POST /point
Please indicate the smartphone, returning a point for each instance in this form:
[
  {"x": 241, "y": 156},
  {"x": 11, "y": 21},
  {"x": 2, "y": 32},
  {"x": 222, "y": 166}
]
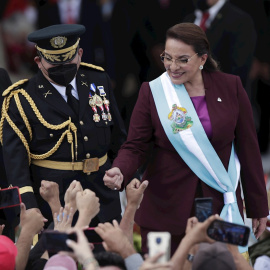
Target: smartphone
[
  {"x": 203, "y": 208},
  {"x": 159, "y": 242},
  {"x": 54, "y": 241},
  {"x": 92, "y": 236},
  {"x": 230, "y": 233},
  {"x": 10, "y": 197}
]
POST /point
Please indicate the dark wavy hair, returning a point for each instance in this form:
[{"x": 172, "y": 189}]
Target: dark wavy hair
[
  {"x": 193, "y": 35},
  {"x": 105, "y": 258}
]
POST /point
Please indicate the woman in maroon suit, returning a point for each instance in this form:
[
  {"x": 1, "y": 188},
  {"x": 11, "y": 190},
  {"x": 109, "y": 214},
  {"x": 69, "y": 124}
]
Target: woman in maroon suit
[{"x": 224, "y": 111}]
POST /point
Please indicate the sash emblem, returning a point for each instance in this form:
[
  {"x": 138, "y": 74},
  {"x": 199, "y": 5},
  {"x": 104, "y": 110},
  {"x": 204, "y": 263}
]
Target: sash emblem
[{"x": 180, "y": 120}]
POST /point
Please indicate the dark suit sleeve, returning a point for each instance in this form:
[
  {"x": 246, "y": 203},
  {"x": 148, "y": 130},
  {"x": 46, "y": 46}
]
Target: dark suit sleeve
[
  {"x": 252, "y": 177},
  {"x": 134, "y": 151},
  {"x": 16, "y": 157}
]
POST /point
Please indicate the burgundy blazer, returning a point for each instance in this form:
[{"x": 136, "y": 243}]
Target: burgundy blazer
[{"x": 168, "y": 200}]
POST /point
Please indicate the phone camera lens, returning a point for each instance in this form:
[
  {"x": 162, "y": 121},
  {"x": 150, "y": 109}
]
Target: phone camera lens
[{"x": 158, "y": 240}]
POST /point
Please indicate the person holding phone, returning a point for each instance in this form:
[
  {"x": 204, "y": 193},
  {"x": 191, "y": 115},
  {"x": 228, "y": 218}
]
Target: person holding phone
[
  {"x": 198, "y": 249},
  {"x": 62, "y": 124},
  {"x": 200, "y": 123}
]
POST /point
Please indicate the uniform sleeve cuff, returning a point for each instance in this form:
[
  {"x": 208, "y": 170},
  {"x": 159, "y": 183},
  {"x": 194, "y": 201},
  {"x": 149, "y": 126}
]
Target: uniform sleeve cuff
[{"x": 29, "y": 200}]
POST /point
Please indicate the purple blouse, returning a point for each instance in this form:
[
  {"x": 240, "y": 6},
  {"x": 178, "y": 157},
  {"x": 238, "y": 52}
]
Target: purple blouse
[{"x": 200, "y": 105}]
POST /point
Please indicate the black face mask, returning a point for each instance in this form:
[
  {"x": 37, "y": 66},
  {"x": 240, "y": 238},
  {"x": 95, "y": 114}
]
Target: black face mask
[
  {"x": 201, "y": 4},
  {"x": 63, "y": 74}
]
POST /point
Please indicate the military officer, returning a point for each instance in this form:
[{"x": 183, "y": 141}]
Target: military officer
[{"x": 62, "y": 124}]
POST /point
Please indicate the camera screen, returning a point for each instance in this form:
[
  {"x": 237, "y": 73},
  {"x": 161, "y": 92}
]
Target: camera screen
[
  {"x": 228, "y": 233},
  {"x": 9, "y": 197},
  {"x": 203, "y": 210},
  {"x": 55, "y": 241}
]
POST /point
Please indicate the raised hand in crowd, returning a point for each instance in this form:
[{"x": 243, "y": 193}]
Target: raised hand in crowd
[
  {"x": 191, "y": 222},
  {"x": 134, "y": 192},
  {"x": 151, "y": 263},
  {"x": 2, "y": 228},
  {"x": 70, "y": 195},
  {"x": 239, "y": 260},
  {"x": 113, "y": 178},
  {"x": 63, "y": 220},
  {"x": 49, "y": 191},
  {"x": 114, "y": 239},
  {"x": 31, "y": 222},
  {"x": 88, "y": 206},
  {"x": 82, "y": 251},
  {"x": 196, "y": 232}
]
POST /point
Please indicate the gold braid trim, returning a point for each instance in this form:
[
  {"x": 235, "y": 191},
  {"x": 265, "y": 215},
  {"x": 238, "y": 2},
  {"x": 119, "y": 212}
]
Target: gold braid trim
[
  {"x": 6, "y": 92},
  {"x": 26, "y": 189},
  {"x": 2, "y": 119},
  {"x": 13, "y": 126},
  {"x": 57, "y": 52},
  {"x": 40, "y": 117},
  {"x": 23, "y": 115},
  {"x": 92, "y": 66},
  {"x": 50, "y": 152},
  {"x": 71, "y": 126}
]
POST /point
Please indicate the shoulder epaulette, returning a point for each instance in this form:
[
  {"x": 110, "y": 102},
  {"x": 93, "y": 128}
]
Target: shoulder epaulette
[
  {"x": 91, "y": 66},
  {"x": 14, "y": 86}
]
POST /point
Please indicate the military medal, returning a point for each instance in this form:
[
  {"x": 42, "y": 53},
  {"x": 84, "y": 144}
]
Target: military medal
[
  {"x": 106, "y": 104},
  {"x": 99, "y": 103},
  {"x": 180, "y": 120},
  {"x": 92, "y": 103},
  {"x": 105, "y": 101}
]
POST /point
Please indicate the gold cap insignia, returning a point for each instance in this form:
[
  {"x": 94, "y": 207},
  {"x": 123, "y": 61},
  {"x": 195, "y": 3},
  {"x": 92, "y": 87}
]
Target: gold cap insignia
[{"x": 58, "y": 42}]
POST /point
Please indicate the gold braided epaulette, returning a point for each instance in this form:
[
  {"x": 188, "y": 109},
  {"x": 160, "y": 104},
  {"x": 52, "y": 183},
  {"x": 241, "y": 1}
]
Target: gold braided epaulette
[
  {"x": 14, "y": 86},
  {"x": 91, "y": 66}
]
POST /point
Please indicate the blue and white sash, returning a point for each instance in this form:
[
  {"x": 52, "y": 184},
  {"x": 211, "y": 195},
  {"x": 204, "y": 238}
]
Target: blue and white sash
[{"x": 194, "y": 147}]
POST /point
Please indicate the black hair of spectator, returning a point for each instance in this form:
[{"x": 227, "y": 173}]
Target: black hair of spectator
[{"x": 110, "y": 259}]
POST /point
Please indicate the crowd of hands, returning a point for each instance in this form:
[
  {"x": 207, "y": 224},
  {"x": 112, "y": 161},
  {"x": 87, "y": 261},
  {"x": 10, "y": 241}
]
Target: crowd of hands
[{"x": 117, "y": 238}]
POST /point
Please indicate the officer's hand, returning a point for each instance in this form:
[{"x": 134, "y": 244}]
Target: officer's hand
[
  {"x": 31, "y": 220},
  {"x": 113, "y": 178},
  {"x": 49, "y": 191},
  {"x": 87, "y": 203},
  {"x": 70, "y": 195}
]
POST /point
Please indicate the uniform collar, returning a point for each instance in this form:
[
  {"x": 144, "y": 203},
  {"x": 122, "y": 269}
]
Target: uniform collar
[{"x": 62, "y": 89}]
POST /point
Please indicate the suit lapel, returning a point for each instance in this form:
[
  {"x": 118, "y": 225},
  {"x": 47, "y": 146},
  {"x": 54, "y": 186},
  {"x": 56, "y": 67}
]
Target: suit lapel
[
  {"x": 219, "y": 17},
  {"x": 210, "y": 101},
  {"x": 51, "y": 96},
  {"x": 218, "y": 110}
]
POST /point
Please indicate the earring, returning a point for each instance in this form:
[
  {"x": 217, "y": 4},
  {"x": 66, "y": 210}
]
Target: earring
[{"x": 200, "y": 67}]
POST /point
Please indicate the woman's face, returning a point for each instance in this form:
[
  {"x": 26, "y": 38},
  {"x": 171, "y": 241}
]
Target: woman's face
[{"x": 186, "y": 67}]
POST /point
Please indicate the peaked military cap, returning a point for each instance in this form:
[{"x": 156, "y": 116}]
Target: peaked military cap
[{"x": 57, "y": 44}]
